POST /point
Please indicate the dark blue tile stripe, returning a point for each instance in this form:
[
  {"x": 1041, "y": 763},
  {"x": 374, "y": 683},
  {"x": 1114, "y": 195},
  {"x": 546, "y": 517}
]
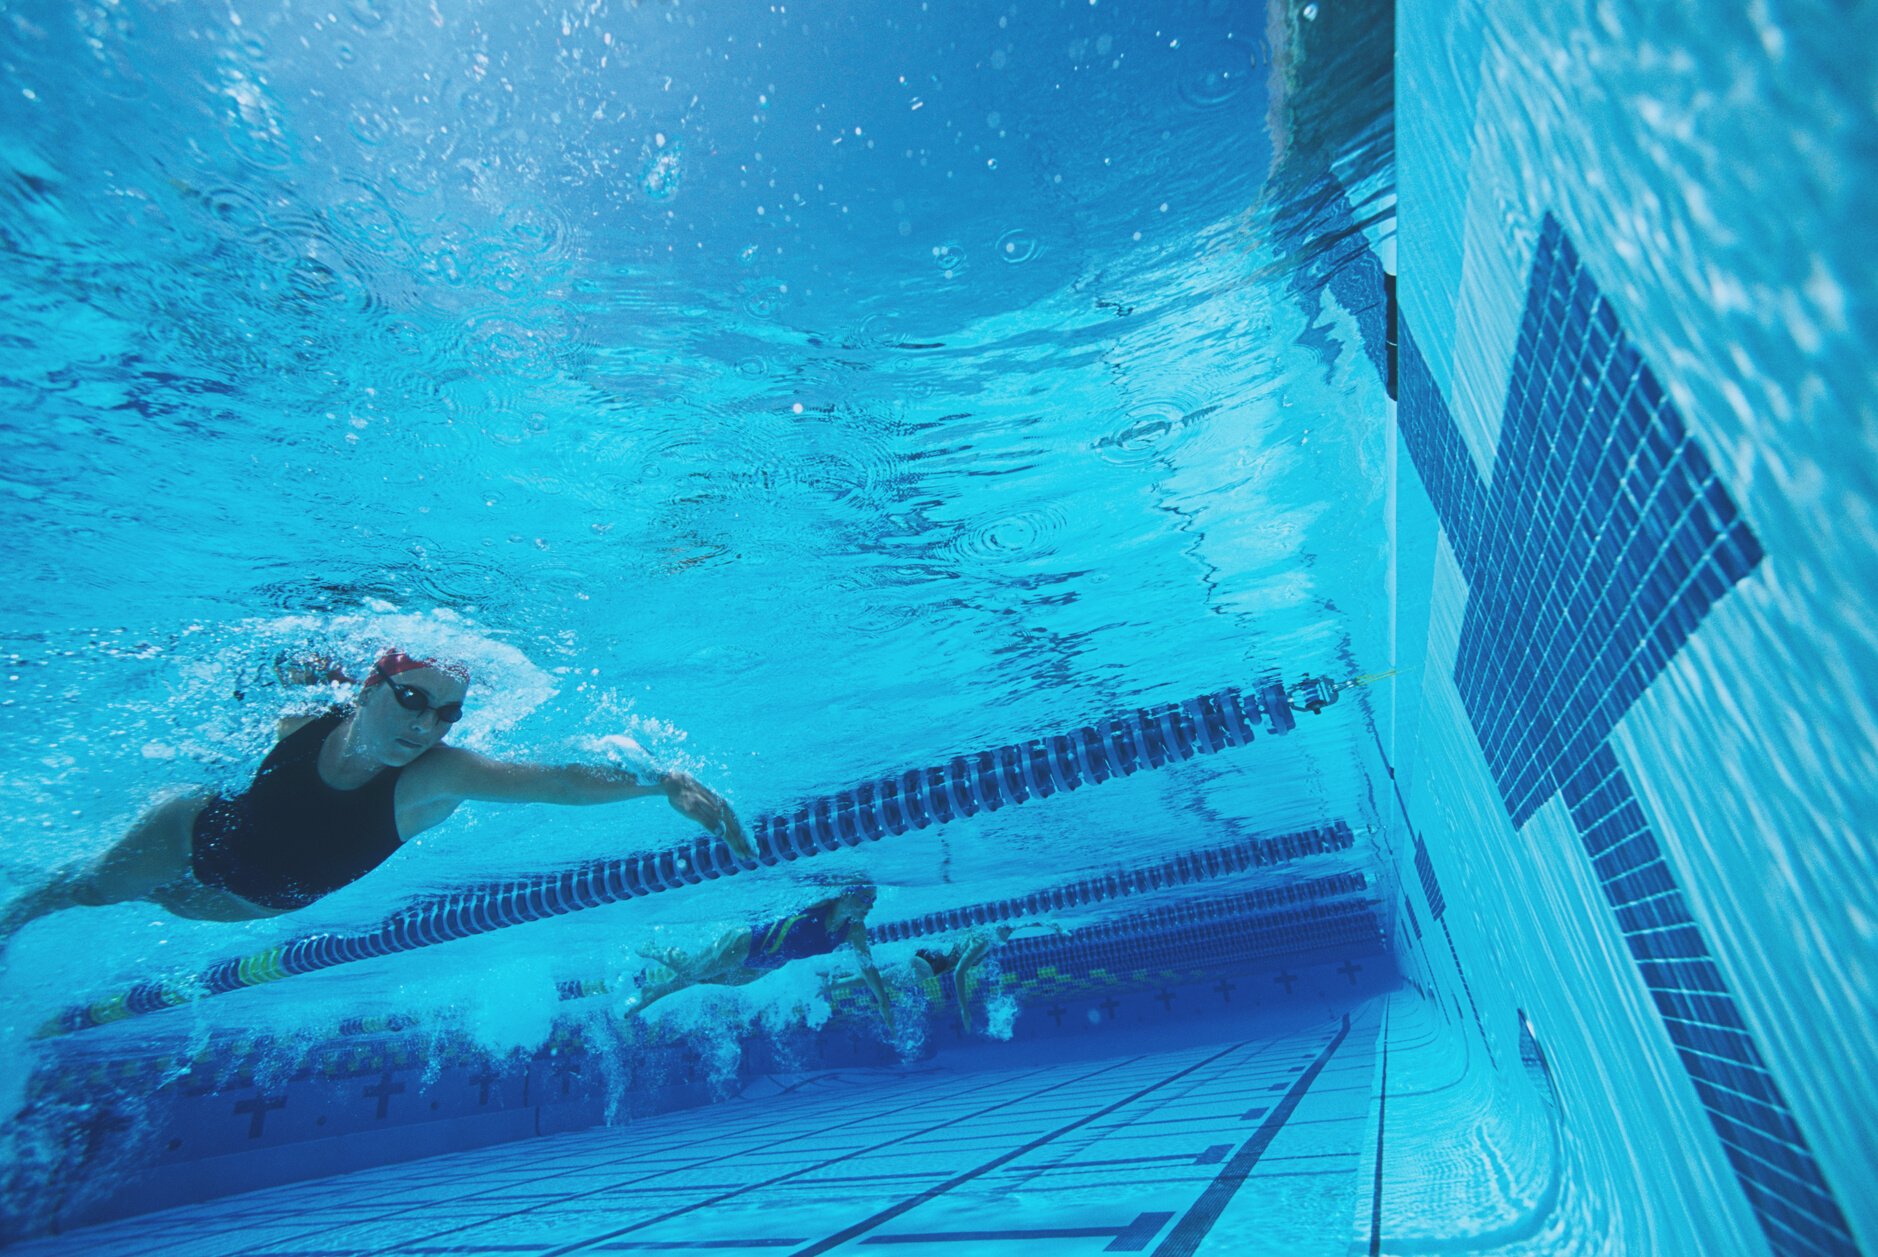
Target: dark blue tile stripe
[
  {"x": 1188, "y": 1233},
  {"x": 1599, "y": 545},
  {"x": 1440, "y": 456},
  {"x": 1759, "y": 1136},
  {"x": 1602, "y": 541},
  {"x": 1425, "y": 869}
]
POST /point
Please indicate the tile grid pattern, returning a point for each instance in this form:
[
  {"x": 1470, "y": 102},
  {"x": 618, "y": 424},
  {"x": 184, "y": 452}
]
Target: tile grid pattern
[
  {"x": 1425, "y": 869},
  {"x": 1131, "y": 1150},
  {"x": 1601, "y": 542},
  {"x": 1743, "y": 1102}
]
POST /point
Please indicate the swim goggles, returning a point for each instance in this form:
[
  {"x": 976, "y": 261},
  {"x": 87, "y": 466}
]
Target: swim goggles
[{"x": 413, "y": 699}]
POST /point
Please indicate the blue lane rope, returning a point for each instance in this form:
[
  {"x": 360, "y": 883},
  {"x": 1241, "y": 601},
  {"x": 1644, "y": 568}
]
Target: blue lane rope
[
  {"x": 1180, "y": 870},
  {"x": 1184, "y": 869},
  {"x": 1117, "y": 746}
]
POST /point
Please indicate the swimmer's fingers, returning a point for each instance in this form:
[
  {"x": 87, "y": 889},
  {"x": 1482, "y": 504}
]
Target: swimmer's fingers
[
  {"x": 709, "y": 810},
  {"x": 734, "y": 835}
]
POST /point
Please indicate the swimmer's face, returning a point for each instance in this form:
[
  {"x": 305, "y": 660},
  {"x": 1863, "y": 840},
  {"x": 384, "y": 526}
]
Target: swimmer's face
[
  {"x": 397, "y": 732},
  {"x": 857, "y": 903}
]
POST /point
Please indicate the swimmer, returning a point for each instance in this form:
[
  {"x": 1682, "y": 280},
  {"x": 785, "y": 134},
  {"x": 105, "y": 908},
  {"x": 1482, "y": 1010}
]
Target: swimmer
[
  {"x": 338, "y": 794},
  {"x": 963, "y": 958},
  {"x": 744, "y": 955}
]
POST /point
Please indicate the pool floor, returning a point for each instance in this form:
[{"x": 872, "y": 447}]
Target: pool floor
[{"x": 1245, "y": 1145}]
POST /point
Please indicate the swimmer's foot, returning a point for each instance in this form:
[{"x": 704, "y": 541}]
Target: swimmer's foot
[{"x": 672, "y": 960}]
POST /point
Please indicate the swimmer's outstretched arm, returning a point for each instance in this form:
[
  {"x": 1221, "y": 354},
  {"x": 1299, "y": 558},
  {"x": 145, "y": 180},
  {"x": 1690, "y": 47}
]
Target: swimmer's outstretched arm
[
  {"x": 857, "y": 939},
  {"x": 447, "y": 775}
]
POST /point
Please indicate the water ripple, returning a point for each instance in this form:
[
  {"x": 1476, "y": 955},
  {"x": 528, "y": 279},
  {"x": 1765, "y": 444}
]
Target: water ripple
[
  {"x": 1214, "y": 74},
  {"x": 762, "y": 298},
  {"x": 1021, "y": 535},
  {"x": 500, "y": 341},
  {"x": 950, "y": 259},
  {"x": 368, "y": 15},
  {"x": 1151, "y": 430},
  {"x": 1018, "y": 245}
]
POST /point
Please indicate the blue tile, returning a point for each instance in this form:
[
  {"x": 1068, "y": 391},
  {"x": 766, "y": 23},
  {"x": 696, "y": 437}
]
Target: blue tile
[{"x": 1591, "y": 555}]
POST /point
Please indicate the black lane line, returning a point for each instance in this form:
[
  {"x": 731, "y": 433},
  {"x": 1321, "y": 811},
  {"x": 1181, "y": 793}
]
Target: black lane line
[
  {"x": 872, "y": 1114},
  {"x": 1197, "y": 1090},
  {"x": 1382, "y": 1112},
  {"x": 1184, "y": 1239},
  {"x": 1130, "y": 1237},
  {"x": 654, "y": 1246},
  {"x": 668, "y": 1215},
  {"x": 1188, "y": 1157},
  {"x": 913, "y": 1202}
]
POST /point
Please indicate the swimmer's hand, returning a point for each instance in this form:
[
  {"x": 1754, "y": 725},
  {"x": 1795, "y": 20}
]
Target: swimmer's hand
[
  {"x": 686, "y": 794},
  {"x": 690, "y": 798}
]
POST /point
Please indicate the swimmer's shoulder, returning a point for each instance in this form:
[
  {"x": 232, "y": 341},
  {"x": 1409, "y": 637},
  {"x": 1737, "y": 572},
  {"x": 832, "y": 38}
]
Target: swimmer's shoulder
[
  {"x": 442, "y": 772},
  {"x": 287, "y": 726}
]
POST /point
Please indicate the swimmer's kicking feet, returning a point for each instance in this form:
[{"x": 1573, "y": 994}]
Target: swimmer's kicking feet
[
  {"x": 744, "y": 955},
  {"x": 338, "y": 794}
]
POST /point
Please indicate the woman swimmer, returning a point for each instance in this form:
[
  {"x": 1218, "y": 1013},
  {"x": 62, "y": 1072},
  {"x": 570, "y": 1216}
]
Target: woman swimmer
[
  {"x": 963, "y": 958},
  {"x": 338, "y": 794},
  {"x": 744, "y": 955}
]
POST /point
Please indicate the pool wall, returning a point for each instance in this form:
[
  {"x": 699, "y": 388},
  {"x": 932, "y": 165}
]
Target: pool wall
[{"x": 1631, "y": 750}]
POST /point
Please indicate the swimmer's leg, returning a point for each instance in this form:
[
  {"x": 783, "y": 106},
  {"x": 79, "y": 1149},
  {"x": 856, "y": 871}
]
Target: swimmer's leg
[
  {"x": 153, "y": 855},
  {"x": 724, "y": 961},
  {"x": 652, "y": 992},
  {"x": 721, "y": 964}
]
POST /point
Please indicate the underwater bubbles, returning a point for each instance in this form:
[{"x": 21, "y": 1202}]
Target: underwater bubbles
[
  {"x": 949, "y": 258},
  {"x": 499, "y": 342},
  {"x": 1018, "y": 245},
  {"x": 661, "y": 169}
]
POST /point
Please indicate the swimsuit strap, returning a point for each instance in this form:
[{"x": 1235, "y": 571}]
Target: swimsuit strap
[{"x": 771, "y": 938}]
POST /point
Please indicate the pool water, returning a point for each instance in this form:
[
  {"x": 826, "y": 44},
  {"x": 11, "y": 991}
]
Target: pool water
[{"x": 1419, "y": 736}]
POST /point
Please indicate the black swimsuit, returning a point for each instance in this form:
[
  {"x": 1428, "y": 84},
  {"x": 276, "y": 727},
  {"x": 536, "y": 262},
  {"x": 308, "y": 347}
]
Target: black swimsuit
[
  {"x": 798, "y": 937},
  {"x": 290, "y": 838}
]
